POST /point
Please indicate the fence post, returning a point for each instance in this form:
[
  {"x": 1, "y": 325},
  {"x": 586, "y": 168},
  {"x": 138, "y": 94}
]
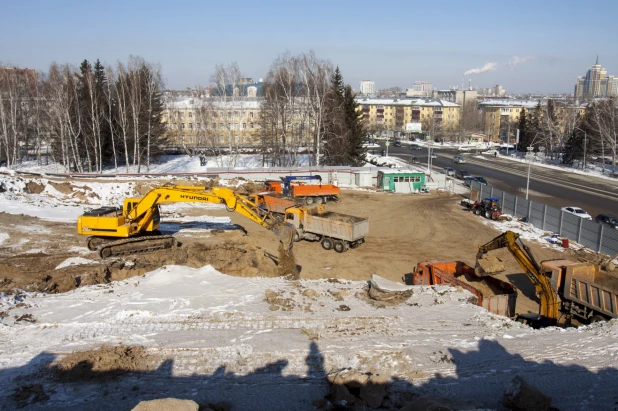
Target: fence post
[
  {"x": 600, "y": 238},
  {"x": 544, "y": 214},
  {"x": 491, "y": 191},
  {"x": 515, "y": 208},
  {"x": 579, "y": 230},
  {"x": 529, "y": 211},
  {"x": 503, "y": 207},
  {"x": 560, "y": 222}
]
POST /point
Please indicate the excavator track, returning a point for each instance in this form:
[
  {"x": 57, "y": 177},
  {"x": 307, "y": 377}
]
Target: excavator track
[{"x": 136, "y": 245}]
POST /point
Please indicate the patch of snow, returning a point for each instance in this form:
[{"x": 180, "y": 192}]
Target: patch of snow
[
  {"x": 3, "y": 237},
  {"x": 75, "y": 261}
]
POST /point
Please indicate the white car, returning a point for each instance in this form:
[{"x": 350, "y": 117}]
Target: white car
[{"x": 577, "y": 211}]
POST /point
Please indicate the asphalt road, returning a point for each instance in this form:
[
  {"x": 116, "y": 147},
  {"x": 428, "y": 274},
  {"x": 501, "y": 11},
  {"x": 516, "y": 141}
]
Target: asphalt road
[{"x": 554, "y": 187}]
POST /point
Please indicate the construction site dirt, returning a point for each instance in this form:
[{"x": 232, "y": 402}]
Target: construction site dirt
[{"x": 404, "y": 231}]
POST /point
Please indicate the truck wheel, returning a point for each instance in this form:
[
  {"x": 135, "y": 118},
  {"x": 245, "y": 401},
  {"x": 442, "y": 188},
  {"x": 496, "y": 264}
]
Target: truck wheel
[
  {"x": 488, "y": 214},
  {"x": 296, "y": 237},
  {"x": 339, "y": 247},
  {"x": 354, "y": 245},
  {"x": 327, "y": 243},
  {"x": 309, "y": 200},
  {"x": 319, "y": 200},
  {"x": 596, "y": 318}
]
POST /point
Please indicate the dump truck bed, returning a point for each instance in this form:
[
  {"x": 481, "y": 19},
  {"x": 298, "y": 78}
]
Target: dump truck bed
[
  {"x": 341, "y": 226},
  {"x": 272, "y": 202},
  {"x": 304, "y": 190},
  {"x": 584, "y": 284},
  {"x": 494, "y": 295}
]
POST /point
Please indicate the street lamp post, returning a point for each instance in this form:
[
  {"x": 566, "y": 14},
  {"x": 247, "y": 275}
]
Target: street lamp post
[
  {"x": 429, "y": 144},
  {"x": 529, "y": 154}
]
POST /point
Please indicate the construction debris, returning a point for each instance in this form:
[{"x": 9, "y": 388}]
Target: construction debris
[
  {"x": 388, "y": 292},
  {"x": 167, "y": 404},
  {"x": 489, "y": 264},
  {"x": 521, "y": 396}
]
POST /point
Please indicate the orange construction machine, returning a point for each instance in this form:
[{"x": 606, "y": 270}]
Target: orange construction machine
[{"x": 301, "y": 188}]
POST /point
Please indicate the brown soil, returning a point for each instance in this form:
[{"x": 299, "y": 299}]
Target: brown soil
[
  {"x": 486, "y": 288},
  {"x": 404, "y": 230},
  {"x": 103, "y": 363}
]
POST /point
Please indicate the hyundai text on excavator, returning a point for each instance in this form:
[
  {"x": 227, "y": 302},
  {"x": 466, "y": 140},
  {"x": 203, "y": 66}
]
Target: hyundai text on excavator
[
  {"x": 134, "y": 228},
  {"x": 570, "y": 287}
]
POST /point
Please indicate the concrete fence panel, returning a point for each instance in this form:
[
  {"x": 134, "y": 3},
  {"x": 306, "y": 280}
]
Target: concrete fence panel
[
  {"x": 508, "y": 203},
  {"x": 537, "y": 214},
  {"x": 589, "y": 234},
  {"x": 522, "y": 208},
  {"x": 570, "y": 226},
  {"x": 609, "y": 241},
  {"x": 552, "y": 219}
]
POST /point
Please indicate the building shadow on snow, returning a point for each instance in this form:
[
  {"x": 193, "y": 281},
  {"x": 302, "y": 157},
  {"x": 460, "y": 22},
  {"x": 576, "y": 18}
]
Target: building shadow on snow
[{"x": 480, "y": 375}]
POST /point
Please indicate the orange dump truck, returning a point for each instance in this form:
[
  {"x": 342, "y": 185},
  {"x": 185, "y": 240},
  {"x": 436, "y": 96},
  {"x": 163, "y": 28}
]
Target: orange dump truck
[
  {"x": 270, "y": 202},
  {"x": 310, "y": 193},
  {"x": 494, "y": 295}
]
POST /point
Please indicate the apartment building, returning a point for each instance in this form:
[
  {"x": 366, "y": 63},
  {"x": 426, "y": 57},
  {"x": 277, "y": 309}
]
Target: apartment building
[
  {"x": 203, "y": 123},
  {"x": 503, "y": 113},
  {"x": 460, "y": 97},
  {"x": 596, "y": 83},
  {"x": 394, "y": 114},
  {"x": 367, "y": 87}
]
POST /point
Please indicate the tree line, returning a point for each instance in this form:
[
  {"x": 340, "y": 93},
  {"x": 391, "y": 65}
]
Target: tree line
[
  {"x": 571, "y": 132},
  {"x": 304, "y": 108},
  {"x": 84, "y": 118}
]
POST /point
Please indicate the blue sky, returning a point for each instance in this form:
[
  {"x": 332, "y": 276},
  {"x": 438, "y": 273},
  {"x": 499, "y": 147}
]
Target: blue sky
[{"x": 392, "y": 42}]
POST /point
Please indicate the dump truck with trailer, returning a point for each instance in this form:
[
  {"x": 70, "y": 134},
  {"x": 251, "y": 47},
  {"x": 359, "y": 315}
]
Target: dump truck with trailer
[
  {"x": 563, "y": 286},
  {"x": 584, "y": 291},
  {"x": 494, "y": 295},
  {"x": 334, "y": 230}
]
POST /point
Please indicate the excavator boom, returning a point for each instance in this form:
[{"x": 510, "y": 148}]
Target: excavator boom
[
  {"x": 116, "y": 232},
  {"x": 550, "y": 302}
]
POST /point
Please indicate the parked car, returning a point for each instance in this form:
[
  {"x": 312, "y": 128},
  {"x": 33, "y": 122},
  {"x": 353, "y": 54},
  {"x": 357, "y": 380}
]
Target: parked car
[
  {"x": 461, "y": 174},
  {"x": 415, "y": 147},
  {"x": 459, "y": 160},
  {"x": 397, "y": 143},
  {"x": 414, "y": 160},
  {"x": 607, "y": 219},
  {"x": 577, "y": 211},
  {"x": 481, "y": 180},
  {"x": 449, "y": 171},
  {"x": 433, "y": 156}
]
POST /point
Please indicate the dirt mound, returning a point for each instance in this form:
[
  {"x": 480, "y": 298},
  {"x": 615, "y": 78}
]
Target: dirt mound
[
  {"x": 287, "y": 263},
  {"x": 64, "y": 188},
  {"x": 34, "y": 188},
  {"x": 103, "y": 363}
]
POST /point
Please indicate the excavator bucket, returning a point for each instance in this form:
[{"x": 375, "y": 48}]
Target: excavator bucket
[
  {"x": 488, "y": 265},
  {"x": 285, "y": 234}
]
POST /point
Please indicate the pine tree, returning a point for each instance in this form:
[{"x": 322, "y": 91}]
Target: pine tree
[
  {"x": 334, "y": 123},
  {"x": 355, "y": 129},
  {"x": 523, "y": 130}
]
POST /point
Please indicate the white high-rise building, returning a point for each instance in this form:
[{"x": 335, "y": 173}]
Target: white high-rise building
[{"x": 367, "y": 87}]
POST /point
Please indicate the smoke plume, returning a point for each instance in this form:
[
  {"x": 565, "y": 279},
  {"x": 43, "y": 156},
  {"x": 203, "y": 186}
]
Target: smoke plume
[
  {"x": 515, "y": 60},
  {"x": 486, "y": 67}
]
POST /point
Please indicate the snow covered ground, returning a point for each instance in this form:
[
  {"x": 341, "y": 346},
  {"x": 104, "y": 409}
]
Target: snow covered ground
[
  {"x": 209, "y": 330},
  {"x": 268, "y": 343}
]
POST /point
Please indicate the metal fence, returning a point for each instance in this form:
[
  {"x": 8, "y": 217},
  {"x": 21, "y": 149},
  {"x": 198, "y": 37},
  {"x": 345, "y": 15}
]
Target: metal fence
[{"x": 596, "y": 236}]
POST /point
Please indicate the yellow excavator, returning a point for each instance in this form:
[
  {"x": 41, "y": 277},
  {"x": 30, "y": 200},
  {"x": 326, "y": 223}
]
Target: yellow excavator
[
  {"x": 550, "y": 301},
  {"x": 135, "y": 227}
]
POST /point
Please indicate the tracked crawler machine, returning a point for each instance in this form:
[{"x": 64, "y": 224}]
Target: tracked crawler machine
[{"x": 135, "y": 227}]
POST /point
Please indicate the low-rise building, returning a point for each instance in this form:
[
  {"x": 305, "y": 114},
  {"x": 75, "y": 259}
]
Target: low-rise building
[
  {"x": 395, "y": 114},
  {"x": 211, "y": 122}
]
